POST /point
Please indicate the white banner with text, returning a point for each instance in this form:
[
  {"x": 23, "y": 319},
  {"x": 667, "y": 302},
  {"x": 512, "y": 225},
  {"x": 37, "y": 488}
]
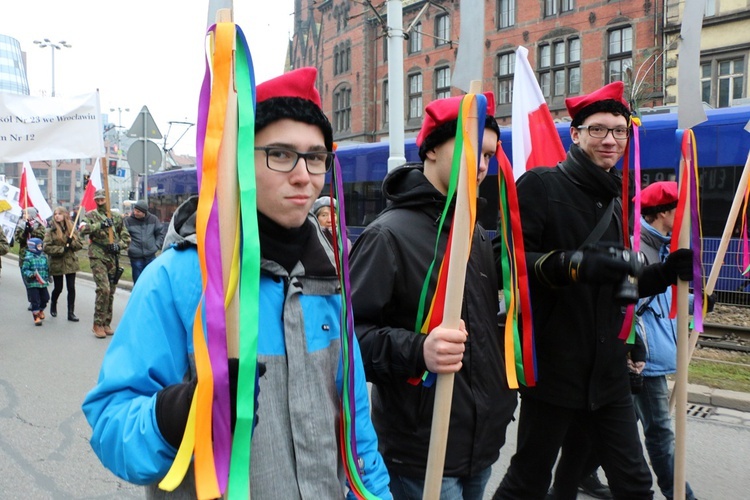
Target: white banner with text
[{"x": 50, "y": 128}]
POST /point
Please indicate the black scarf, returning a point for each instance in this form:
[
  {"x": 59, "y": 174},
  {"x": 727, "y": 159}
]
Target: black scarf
[
  {"x": 591, "y": 177},
  {"x": 282, "y": 245}
]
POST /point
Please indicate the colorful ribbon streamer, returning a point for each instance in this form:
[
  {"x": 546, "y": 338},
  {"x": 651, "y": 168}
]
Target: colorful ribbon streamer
[
  {"x": 689, "y": 154},
  {"x": 520, "y": 355},
  {"x": 425, "y": 323}
]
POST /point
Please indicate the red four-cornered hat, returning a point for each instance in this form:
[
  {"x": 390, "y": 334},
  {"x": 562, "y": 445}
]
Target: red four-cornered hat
[
  {"x": 297, "y": 83},
  {"x": 440, "y": 111},
  {"x": 612, "y": 91}
]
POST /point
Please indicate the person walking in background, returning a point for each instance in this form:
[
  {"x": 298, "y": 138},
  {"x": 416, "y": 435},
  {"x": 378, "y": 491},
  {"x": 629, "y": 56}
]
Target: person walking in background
[
  {"x": 104, "y": 257},
  {"x": 146, "y": 237},
  {"x": 659, "y": 334},
  {"x": 139, "y": 408},
  {"x": 61, "y": 244},
  {"x": 322, "y": 211},
  {"x": 573, "y": 237},
  {"x": 389, "y": 268},
  {"x": 35, "y": 273},
  {"x": 29, "y": 226},
  {"x": 4, "y": 246}
]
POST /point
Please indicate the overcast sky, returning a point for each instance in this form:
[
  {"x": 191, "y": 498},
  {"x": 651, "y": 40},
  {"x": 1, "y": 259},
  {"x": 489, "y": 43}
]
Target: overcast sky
[{"x": 139, "y": 52}]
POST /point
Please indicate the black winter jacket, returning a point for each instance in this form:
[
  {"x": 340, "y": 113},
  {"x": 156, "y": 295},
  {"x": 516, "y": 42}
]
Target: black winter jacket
[
  {"x": 581, "y": 361},
  {"x": 388, "y": 264},
  {"x": 147, "y": 236}
]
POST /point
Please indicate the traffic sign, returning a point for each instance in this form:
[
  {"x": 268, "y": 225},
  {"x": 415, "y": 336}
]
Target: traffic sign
[
  {"x": 144, "y": 126},
  {"x": 136, "y": 159}
]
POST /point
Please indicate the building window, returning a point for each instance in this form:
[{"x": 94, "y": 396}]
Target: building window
[
  {"x": 385, "y": 49},
  {"x": 415, "y": 96},
  {"x": 560, "y": 68},
  {"x": 506, "y": 13},
  {"x": 506, "y": 67},
  {"x": 342, "y": 54},
  {"x": 620, "y": 57},
  {"x": 442, "y": 83},
  {"x": 342, "y": 109},
  {"x": 722, "y": 81},
  {"x": 442, "y": 29},
  {"x": 553, "y": 7},
  {"x": 386, "y": 103},
  {"x": 710, "y": 8},
  {"x": 415, "y": 39},
  {"x": 64, "y": 178}
]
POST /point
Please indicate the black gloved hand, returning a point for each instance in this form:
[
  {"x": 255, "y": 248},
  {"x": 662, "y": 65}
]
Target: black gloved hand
[
  {"x": 679, "y": 264},
  {"x": 234, "y": 371},
  {"x": 113, "y": 248},
  {"x": 108, "y": 222},
  {"x": 710, "y": 302},
  {"x": 172, "y": 409},
  {"x": 68, "y": 241},
  {"x": 596, "y": 264}
]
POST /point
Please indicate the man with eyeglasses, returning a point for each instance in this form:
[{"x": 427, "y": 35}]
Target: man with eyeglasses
[
  {"x": 139, "y": 408},
  {"x": 390, "y": 272},
  {"x": 581, "y": 278}
]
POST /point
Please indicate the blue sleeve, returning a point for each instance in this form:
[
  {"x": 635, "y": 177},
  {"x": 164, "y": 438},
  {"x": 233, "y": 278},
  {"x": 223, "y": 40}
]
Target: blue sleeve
[
  {"x": 150, "y": 350},
  {"x": 375, "y": 475}
]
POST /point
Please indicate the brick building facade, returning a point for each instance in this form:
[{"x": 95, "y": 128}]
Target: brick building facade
[{"x": 575, "y": 47}]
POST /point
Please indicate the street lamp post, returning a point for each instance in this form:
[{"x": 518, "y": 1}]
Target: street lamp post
[
  {"x": 53, "y": 47},
  {"x": 119, "y": 150}
]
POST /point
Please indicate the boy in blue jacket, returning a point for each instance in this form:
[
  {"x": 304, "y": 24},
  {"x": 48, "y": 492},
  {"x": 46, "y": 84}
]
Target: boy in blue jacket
[
  {"x": 659, "y": 334},
  {"x": 139, "y": 407}
]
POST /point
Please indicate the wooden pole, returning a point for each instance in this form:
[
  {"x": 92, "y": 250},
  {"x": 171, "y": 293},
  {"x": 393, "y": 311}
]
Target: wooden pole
[
  {"x": 228, "y": 198},
  {"x": 105, "y": 182},
  {"x": 452, "y": 315},
  {"x": 682, "y": 343}
]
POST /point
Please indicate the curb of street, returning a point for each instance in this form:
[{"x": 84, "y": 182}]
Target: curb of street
[{"x": 697, "y": 394}]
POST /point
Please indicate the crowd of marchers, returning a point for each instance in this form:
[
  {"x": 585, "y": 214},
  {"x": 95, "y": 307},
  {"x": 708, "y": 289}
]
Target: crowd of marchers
[{"x": 591, "y": 388}]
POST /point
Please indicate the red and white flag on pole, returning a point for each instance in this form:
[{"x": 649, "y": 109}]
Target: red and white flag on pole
[
  {"x": 536, "y": 142},
  {"x": 31, "y": 195},
  {"x": 95, "y": 182}
]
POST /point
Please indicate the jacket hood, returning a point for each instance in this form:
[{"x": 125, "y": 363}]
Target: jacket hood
[
  {"x": 182, "y": 226},
  {"x": 407, "y": 186}
]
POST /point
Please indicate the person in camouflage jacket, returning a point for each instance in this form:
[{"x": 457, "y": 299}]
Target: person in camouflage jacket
[
  {"x": 104, "y": 258},
  {"x": 4, "y": 247},
  {"x": 28, "y": 227},
  {"x": 61, "y": 244}
]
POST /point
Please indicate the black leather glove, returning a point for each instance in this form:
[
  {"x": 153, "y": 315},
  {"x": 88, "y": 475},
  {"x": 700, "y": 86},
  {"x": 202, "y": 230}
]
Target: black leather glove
[
  {"x": 710, "y": 302},
  {"x": 68, "y": 241},
  {"x": 108, "y": 222},
  {"x": 679, "y": 264},
  {"x": 113, "y": 248},
  {"x": 234, "y": 368},
  {"x": 596, "y": 264}
]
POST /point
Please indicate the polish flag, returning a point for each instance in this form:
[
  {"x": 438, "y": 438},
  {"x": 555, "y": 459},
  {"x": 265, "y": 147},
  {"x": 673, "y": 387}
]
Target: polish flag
[
  {"x": 536, "y": 142},
  {"x": 31, "y": 195},
  {"x": 95, "y": 182}
]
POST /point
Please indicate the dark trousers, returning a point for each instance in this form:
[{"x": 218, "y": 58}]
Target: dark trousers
[
  {"x": 542, "y": 428},
  {"x": 38, "y": 297},
  {"x": 139, "y": 264},
  {"x": 70, "y": 284},
  {"x": 577, "y": 461}
]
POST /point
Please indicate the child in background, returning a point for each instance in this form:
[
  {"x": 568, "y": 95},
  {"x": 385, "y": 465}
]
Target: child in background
[{"x": 35, "y": 271}]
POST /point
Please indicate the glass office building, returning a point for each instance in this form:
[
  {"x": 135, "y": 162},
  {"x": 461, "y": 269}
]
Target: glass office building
[{"x": 12, "y": 68}]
